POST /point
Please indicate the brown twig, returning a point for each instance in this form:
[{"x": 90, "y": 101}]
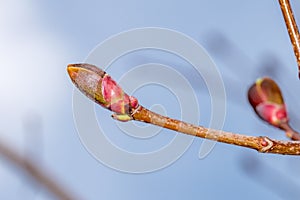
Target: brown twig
[
  {"x": 292, "y": 29},
  {"x": 38, "y": 175},
  {"x": 262, "y": 144},
  {"x": 97, "y": 85}
]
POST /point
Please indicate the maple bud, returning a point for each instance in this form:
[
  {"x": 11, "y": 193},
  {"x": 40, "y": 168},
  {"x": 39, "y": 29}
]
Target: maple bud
[
  {"x": 267, "y": 101},
  {"x": 102, "y": 89}
]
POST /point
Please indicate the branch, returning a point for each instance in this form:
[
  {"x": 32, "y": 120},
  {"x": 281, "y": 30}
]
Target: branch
[
  {"x": 292, "y": 28},
  {"x": 102, "y": 89},
  {"x": 35, "y": 173},
  {"x": 262, "y": 144}
]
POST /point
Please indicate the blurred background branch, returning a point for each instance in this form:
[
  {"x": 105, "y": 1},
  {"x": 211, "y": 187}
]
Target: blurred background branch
[
  {"x": 269, "y": 177},
  {"x": 42, "y": 177}
]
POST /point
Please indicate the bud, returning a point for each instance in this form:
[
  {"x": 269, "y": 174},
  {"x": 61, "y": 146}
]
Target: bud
[
  {"x": 102, "y": 89},
  {"x": 267, "y": 101}
]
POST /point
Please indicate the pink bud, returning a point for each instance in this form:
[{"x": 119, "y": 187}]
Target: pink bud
[
  {"x": 267, "y": 101},
  {"x": 101, "y": 88}
]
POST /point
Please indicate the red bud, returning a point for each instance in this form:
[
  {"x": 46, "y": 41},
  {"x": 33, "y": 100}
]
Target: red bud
[{"x": 267, "y": 101}]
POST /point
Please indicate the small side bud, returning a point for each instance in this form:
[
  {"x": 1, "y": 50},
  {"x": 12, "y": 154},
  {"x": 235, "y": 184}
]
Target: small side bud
[{"x": 267, "y": 101}]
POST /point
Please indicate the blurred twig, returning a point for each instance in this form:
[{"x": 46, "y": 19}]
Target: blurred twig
[
  {"x": 33, "y": 135},
  {"x": 33, "y": 138},
  {"x": 37, "y": 174},
  {"x": 269, "y": 177}
]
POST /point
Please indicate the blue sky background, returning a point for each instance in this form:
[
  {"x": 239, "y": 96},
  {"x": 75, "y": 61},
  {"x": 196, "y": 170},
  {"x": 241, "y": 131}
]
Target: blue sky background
[{"x": 245, "y": 39}]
